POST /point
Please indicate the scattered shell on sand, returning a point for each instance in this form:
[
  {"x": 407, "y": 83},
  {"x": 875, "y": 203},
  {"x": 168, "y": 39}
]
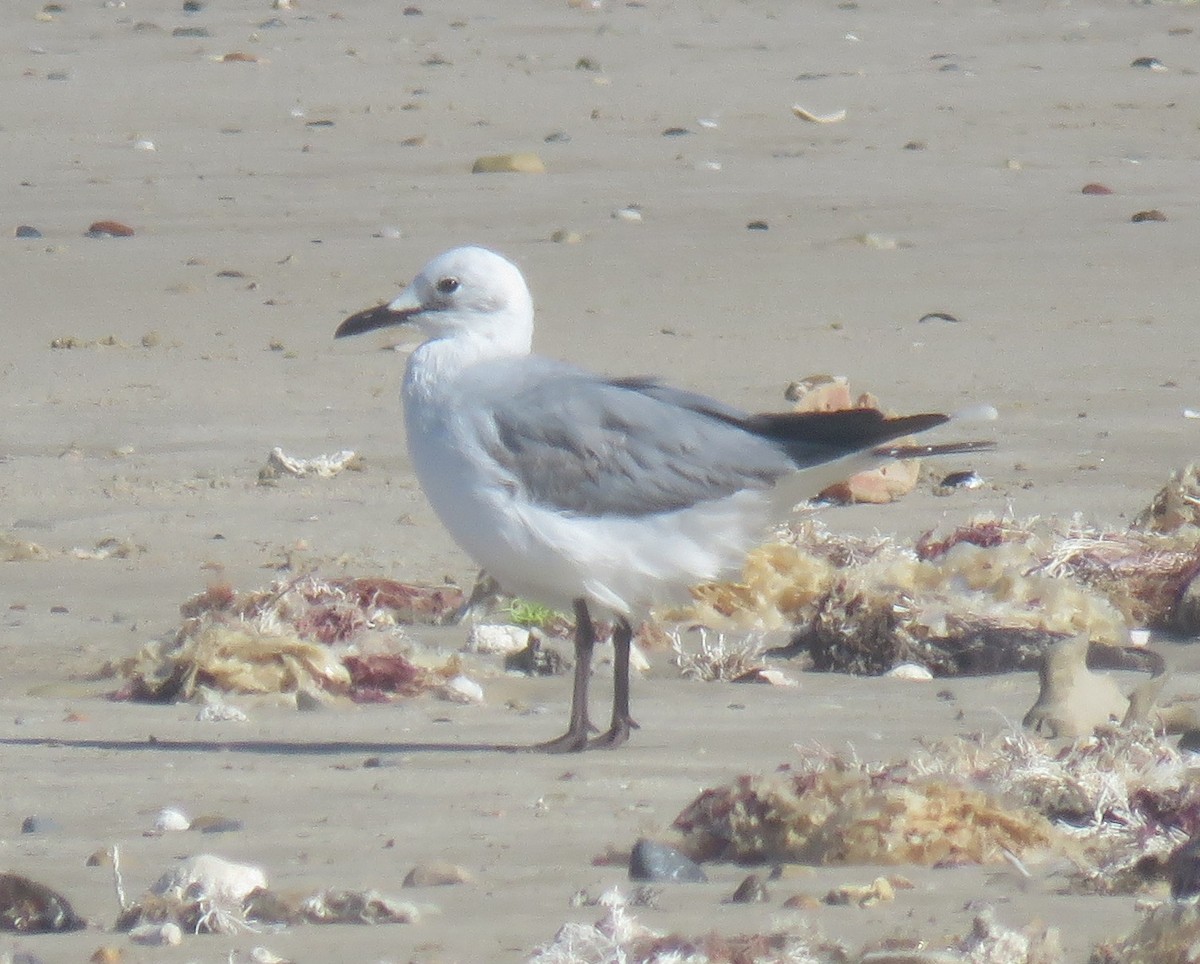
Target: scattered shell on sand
[
  {"x": 1097, "y": 189},
  {"x": 1148, "y": 63},
  {"x": 913, "y": 672},
  {"x": 279, "y": 463},
  {"x": 630, "y": 213},
  {"x": 461, "y": 689},
  {"x": 170, "y": 819},
  {"x": 813, "y": 117},
  {"x": 524, "y": 162},
  {"x": 1154, "y": 214},
  {"x": 437, "y": 873}
]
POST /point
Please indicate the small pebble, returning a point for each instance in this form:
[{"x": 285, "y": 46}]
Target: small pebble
[
  {"x": 752, "y": 890},
  {"x": 217, "y": 824},
  {"x": 915, "y": 146},
  {"x": 1149, "y": 63},
  {"x": 108, "y": 229},
  {"x": 587, "y": 63},
  {"x": 1096, "y": 189},
  {"x": 675, "y": 132},
  {"x": 659, "y": 863},
  {"x": 192, "y": 6},
  {"x": 1154, "y": 214},
  {"x": 758, "y": 226},
  {"x": 36, "y": 824},
  {"x": 566, "y": 237},
  {"x": 557, "y": 137},
  {"x": 26, "y": 231},
  {"x": 193, "y": 32},
  {"x": 521, "y": 163}
]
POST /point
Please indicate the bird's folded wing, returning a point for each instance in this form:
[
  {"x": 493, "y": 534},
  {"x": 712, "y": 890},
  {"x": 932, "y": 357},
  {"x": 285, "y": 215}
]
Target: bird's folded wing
[{"x": 581, "y": 444}]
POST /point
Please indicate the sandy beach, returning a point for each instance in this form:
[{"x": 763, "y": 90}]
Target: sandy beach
[{"x": 273, "y": 193}]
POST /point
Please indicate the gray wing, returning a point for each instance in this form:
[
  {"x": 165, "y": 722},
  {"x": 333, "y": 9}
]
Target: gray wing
[{"x": 631, "y": 447}]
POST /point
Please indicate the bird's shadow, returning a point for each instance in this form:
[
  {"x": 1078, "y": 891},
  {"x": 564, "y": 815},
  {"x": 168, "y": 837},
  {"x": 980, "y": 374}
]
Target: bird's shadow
[{"x": 267, "y": 747}]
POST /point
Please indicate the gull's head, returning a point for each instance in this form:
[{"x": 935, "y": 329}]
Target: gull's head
[{"x": 465, "y": 293}]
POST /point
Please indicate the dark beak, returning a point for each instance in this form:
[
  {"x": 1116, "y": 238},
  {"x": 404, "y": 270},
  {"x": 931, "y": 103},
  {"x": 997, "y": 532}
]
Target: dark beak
[{"x": 370, "y": 319}]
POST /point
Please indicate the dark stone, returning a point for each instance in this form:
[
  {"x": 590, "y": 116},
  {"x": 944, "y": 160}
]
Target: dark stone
[{"x": 662, "y": 864}]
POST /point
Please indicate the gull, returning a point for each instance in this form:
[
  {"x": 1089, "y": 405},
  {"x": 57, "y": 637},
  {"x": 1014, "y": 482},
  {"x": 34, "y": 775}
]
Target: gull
[{"x": 599, "y": 495}]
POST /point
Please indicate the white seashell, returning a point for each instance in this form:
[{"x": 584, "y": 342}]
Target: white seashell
[
  {"x": 1139, "y": 637},
  {"x": 170, "y": 819},
  {"x": 220, "y": 713},
  {"x": 157, "y": 935},
  {"x": 504, "y": 640},
  {"x": 830, "y": 117},
  {"x": 910, "y": 671},
  {"x": 776, "y": 677},
  {"x": 708, "y": 166},
  {"x": 389, "y": 232},
  {"x": 707, "y": 122},
  {"x": 1191, "y": 413},
  {"x": 210, "y": 876},
  {"x": 460, "y": 689},
  {"x": 627, "y": 214},
  {"x": 144, "y": 145}
]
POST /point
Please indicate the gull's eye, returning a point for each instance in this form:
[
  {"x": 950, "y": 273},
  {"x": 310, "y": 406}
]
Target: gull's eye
[{"x": 447, "y": 286}]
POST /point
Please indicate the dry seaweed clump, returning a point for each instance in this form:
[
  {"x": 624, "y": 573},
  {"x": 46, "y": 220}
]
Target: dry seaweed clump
[
  {"x": 989, "y": 596},
  {"x": 1116, "y": 803},
  {"x": 302, "y": 635},
  {"x": 859, "y": 815},
  {"x": 1170, "y": 932},
  {"x": 619, "y": 938}
]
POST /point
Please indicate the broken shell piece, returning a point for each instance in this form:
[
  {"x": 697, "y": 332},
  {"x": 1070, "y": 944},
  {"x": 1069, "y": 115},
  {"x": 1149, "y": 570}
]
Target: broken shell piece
[
  {"x": 829, "y": 117},
  {"x": 913, "y": 672},
  {"x": 323, "y": 466},
  {"x": 461, "y": 689},
  {"x": 438, "y": 873},
  {"x": 521, "y": 163},
  {"x": 879, "y": 890},
  {"x": 630, "y": 213}
]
